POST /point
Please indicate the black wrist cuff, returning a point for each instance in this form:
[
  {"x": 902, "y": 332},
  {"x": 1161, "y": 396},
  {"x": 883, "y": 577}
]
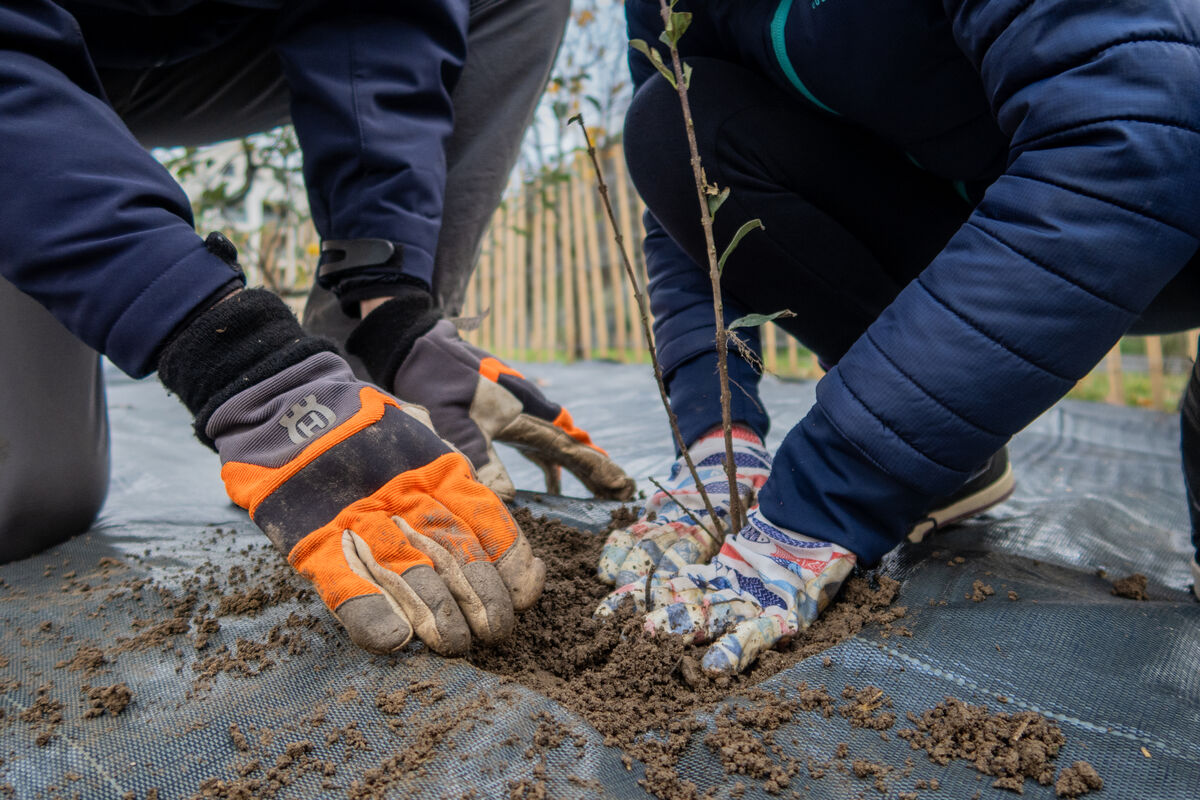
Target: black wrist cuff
[
  {"x": 363, "y": 269},
  {"x": 353, "y": 291},
  {"x": 386, "y": 336},
  {"x": 230, "y": 347}
]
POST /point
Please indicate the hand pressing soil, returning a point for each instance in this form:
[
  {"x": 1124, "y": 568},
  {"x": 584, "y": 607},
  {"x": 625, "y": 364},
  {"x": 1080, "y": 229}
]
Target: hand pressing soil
[{"x": 626, "y": 683}]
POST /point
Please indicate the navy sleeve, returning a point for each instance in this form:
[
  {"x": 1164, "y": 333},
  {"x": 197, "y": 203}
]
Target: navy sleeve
[
  {"x": 1098, "y": 209},
  {"x": 91, "y": 226}
]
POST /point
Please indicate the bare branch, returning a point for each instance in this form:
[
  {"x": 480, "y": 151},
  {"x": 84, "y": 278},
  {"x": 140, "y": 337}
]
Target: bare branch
[{"x": 644, "y": 312}]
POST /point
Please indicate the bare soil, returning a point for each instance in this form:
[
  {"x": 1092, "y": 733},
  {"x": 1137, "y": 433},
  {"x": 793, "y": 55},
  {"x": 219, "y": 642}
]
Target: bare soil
[
  {"x": 626, "y": 683},
  {"x": 1010, "y": 747},
  {"x": 644, "y": 695},
  {"x": 1132, "y": 587}
]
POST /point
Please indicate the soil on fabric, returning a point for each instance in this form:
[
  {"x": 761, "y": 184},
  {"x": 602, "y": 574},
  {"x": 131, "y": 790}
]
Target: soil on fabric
[
  {"x": 1132, "y": 587},
  {"x": 644, "y": 694},
  {"x": 626, "y": 683},
  {"x": 1011, "y": 747}
]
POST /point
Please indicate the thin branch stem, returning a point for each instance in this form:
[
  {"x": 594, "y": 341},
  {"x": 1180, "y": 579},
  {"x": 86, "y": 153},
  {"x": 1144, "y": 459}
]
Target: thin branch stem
[
  {"x": 675, "y": 500},
  {"x": 644, "y": 313},
  {"x": 735, "y": 501}
]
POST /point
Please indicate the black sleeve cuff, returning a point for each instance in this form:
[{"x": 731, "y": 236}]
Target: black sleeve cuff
[
  {"x": 230, "y": 347},
  {"x": 386, "y": 336}
]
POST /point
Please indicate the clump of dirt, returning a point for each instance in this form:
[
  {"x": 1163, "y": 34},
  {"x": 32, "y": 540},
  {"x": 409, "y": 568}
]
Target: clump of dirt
[
  {"x": 744, "y": 740},
  {"x": 980, "y": 591},
  {"x": 872, "y": 770},
  {"x": 351, "y": 736},
  {"x": 1132, "y": 587},
  {"x": 111, "y": 699},
  {"x": 159, "y": 632},
  {"x": 433, "y": 737},
  {"x": 1011, "y": 747},
  {"x": 295, "y": 761},
  {"x": 45, "y": 714},
  {"x": 866, "y": 708},
  {"x": 238, "y": 738},
  {"x": 626, "y": 683},
  {"x": 87, "y": 659},
  {"x": 1078, "y": 779}
]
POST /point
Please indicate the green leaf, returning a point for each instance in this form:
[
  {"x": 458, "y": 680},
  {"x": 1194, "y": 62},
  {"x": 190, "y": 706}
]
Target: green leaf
[
  {"x": 754, "y": 320},
  {"x": 737, "y": 237},
  {"x": 655, "y": 59},
  {"x": 577, "y": 118},
  {"x": 715, "y": 200},
  {"x": 687, "y": 76},
  {"x": 677, "y": 23}
]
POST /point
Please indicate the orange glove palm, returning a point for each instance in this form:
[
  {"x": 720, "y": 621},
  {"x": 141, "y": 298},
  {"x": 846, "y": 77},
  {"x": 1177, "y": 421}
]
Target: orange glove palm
[{"x": 366, "y": 501}]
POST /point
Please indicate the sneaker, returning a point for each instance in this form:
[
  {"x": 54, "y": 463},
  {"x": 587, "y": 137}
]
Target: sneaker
[{"x": 989, "y": 486}]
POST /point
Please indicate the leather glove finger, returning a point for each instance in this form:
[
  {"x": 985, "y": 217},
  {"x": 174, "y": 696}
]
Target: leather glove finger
[
  {"x": 476, "y": 586},
  {"x": 450, "y": 507},
  {"x": 557, "y": 443},
  {"x": 381, "y": 588},
  {"x": 418, "y": 590}
]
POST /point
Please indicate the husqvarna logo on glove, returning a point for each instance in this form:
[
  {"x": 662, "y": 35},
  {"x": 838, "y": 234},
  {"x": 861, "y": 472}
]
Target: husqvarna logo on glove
[{"x": 306, "y": 419}]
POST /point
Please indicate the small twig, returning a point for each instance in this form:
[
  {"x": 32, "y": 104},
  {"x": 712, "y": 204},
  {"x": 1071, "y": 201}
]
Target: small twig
[
  {"x": 735, "y": 505},
  {"x": 644, "y": 312},
  {"x": 675, "y": 500}
]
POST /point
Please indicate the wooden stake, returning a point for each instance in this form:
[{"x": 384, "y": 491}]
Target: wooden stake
[
  {"x": 1154, "y": 356},
  {"x": 1116, "y": 384}
]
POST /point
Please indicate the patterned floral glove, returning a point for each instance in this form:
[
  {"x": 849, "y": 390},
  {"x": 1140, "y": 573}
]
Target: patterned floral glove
[
  {"x": 671, "y": 534},
  {"x": 767, "y": 582}
]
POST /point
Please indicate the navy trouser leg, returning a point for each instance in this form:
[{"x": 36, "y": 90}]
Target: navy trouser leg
[
  {"x": 511, "y": 46},
  {"x": 372, "y": 109},
  {"x": 366, "y": 84},
  {"x": 91, "y": 226},
  {"x": 847, "y": 223}
]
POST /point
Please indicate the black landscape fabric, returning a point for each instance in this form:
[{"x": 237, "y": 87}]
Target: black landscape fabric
[{"x": 170, "y": 653}]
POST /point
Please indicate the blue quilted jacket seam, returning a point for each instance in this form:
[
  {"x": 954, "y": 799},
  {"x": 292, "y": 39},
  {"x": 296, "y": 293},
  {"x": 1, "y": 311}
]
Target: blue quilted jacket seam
[
  {"x": 990, "y": 337},
  {"x": 1100, "y": 199},
  {"x": 1084, "y": 57},
  {"x": 925, "y": 391},
  {"x": 1028, "y": 144},
  {"x": 899, "y": 436},
  {"x": 986, "y": 44},
  {"x": 1048, "y": 269}
]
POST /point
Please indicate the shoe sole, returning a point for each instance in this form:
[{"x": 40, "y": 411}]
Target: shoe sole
[{"x": 993, "y": 494}]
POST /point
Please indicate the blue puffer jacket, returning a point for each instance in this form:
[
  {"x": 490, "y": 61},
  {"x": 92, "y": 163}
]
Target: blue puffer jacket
[
  {"x": 1092, "y": 112},
  {"x": 97, "y": 231}
]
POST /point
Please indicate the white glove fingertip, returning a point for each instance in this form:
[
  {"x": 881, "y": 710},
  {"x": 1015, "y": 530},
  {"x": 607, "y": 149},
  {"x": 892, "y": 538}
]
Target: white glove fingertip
[{"x": 738, "y": 649}]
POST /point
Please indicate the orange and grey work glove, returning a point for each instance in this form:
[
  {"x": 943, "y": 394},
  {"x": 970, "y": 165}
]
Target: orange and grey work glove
[
  {"x": 475, "y": 400},
  {"x": 353, "y": 486}
]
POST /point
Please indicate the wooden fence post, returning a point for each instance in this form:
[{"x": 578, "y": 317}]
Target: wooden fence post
[
  {"x": 1116, "y": 384},
  {"x": 580, "y": 285},
  {"x": 552, "y": 263},
  {"x": 631, "y": 232},
  {"x": 536, "y": 261},
  {"x": 595, "y": 265},
  {"x": 1154, "y": 358},
  {"x": 770, "y": 353},
  {"x": 568, "y": 269}
]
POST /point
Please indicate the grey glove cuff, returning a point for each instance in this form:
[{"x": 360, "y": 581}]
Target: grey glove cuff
[
  {"x": 386, "y": 336},
  {"x": 237, "y": 343}
]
